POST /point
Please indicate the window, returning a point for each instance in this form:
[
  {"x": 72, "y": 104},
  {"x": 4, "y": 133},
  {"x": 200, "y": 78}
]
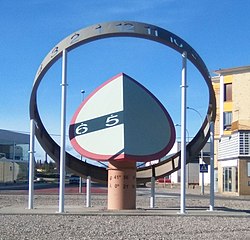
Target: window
[
  {"x": 228, "y": 92},
  {"x": 227, "y": 120},
  {"x": 230, "y": 179},
  {"x": 244, "y": 143}
]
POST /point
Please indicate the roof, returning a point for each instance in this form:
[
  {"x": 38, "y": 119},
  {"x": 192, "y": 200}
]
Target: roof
[
  {"x": 11, "y": 136},
  {"x": 235, "y": 70}
]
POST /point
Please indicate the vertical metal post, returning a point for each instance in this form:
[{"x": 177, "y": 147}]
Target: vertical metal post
[
  {"x": 80, "y": 178},
  {"x": 183, "y": 133},
  {"x": 211, "y": 207},
  {"x": 63, "y": 127},
  {"x": 202, "y": 174},
  {"x": 80, "y": 182},
  {"x": 13, "y": 163},
  {"x": 4, "y": 171},
  {"x": 152, "y": 197},
  {"x": 88, "y": 192},
  {"x": 221, "y": 105},
  {"x": 31, "y": 164}
]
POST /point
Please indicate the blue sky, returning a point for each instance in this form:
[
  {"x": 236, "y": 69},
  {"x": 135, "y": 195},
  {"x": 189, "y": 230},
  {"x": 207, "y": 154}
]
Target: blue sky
[{"x": 217, "y": 30}]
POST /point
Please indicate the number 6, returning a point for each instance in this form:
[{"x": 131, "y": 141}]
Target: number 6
[{"x": 81, "y": 129}]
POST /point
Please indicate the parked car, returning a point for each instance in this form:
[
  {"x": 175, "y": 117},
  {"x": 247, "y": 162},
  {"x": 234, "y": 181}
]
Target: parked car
[
  {"x": 164, "y": 180},
  {"x": 39, "y": 180}
]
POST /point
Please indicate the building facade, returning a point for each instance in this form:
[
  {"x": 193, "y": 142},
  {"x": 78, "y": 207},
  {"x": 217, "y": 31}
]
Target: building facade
[
  {"x": 232, "y": 130},
  {"x": 14, "y": 157},
  {"x": 193, "y": 175}
]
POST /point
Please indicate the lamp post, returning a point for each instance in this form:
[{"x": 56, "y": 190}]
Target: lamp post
[
  {"x": 202, "y": 174},
  {"x": 63, "y": 131},
  {"x": 82, "y": 92},
  {"x": 80, "y": 178},
  {"x": 31, "y": 164},
  {"x": 88, "y": 180},
  {"x": 188, "y": 136}
]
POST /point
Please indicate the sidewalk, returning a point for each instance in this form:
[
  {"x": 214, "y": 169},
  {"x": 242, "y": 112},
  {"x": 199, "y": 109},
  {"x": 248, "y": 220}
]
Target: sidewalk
[
  {"x": 72, "y": 210},
  {"x": 166, "y": 202}
]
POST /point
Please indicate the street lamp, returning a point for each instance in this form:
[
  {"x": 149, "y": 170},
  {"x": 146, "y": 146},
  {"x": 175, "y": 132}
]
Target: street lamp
[
  {"x": 188, "y": 136},
  {"x": 202, "y": 174},
  {"x": 82, "y": 92},
  {"x": 80, "y": 178},
  {"x": 190, "y": 108}
]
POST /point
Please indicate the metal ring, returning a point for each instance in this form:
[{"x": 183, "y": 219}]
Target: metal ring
[{"x": 122, "y": 29}]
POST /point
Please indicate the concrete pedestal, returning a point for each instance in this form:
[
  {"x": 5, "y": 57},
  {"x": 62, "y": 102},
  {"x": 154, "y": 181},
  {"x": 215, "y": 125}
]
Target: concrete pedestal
[{"x": 121, "y": 185}]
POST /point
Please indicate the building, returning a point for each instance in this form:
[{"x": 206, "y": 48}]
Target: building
[
  {"x": 232, "y": 130},
  {"x": 193, "y": 175},
  {"x": 14, "y": 157}
]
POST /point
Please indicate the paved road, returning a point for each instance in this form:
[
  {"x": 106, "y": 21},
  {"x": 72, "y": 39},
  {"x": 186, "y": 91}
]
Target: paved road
[{"x": 49, "y": 188}]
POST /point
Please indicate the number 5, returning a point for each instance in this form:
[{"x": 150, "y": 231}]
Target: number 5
[{"x": 112, "y": 120}]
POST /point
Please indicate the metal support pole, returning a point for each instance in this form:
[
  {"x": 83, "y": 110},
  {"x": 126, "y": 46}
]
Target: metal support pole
[
  {"x": 80, "y": 178},
  {"x": 152, "y": 197},
  {"x": 211, "y": 207},
  {"x": 183, "y": 133},
  {"x": 13, "y": 163},
  {"x": 31, "y": 164},
  {"x": 88, "y": 192},
  {"x": 63, "y": 128},
  {"x": 202, "y": 175},
  {"x": 80, "y": 184},
  {"x": 221, "y": 104},
  {"x": 80, "y": 181}
]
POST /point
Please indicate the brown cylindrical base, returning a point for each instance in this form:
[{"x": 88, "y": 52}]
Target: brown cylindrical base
[{"x": 121, "y": 185}]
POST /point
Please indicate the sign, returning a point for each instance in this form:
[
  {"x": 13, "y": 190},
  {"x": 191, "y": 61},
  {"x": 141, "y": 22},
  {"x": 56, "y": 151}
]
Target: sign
[
  {"x": 203, "y": 168},
  {"x": 122, "y": 120}
]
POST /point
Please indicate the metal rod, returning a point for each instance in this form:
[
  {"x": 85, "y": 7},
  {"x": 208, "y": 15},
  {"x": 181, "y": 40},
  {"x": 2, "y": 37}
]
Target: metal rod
[
  {"x": 13, "y": 163},
  {"x": 183, "y": 133},
  {"x": 211, "y": 207},
  {"x": 80, "y": 184},
  {"x": 202, "y": 175},
  {"x": 63, "y": 128},
  {"x": 88, "y": 192},
  {"x": 152, "y": 197},
  {"x": 221, "y": 104},
  {"x": 31, "y": 164},
  {"x": 80, "y": 178}
]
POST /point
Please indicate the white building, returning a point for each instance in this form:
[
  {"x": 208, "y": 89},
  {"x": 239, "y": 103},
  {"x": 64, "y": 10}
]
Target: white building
[
  {"x": 193, "y": 175},
  {"x": 14, "y": 148}
]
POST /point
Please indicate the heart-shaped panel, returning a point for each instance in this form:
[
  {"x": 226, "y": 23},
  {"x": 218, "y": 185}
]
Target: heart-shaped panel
[{"x": 122, "y": 120}]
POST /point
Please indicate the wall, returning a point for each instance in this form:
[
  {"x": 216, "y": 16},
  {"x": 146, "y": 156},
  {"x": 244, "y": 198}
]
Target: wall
[
  {"x": 8, "y": 171},
  {"x": 244, "y": 189},
  {"x": 241, "y": 101}
]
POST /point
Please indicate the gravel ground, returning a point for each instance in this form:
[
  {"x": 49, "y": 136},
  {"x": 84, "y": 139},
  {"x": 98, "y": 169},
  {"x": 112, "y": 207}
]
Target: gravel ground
[{"x": 58, "y": 226}]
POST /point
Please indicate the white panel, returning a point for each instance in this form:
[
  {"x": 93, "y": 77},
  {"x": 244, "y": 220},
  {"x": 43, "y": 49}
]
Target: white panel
[
  {"x": 228, "y": 147},
  {"x": 109, "y": 145},
  {"x": 229, "y": 163},
  {"x": 103, "y": 101},
  {"x": 176, "y": 162}
]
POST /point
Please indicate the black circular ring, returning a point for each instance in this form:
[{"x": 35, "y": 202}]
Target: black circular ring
[{"x": 122, "y": 29}]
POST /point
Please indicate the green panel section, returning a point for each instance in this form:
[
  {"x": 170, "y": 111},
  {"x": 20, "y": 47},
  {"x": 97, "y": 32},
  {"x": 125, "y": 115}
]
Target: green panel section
[{"x": 147, "y": 129}]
